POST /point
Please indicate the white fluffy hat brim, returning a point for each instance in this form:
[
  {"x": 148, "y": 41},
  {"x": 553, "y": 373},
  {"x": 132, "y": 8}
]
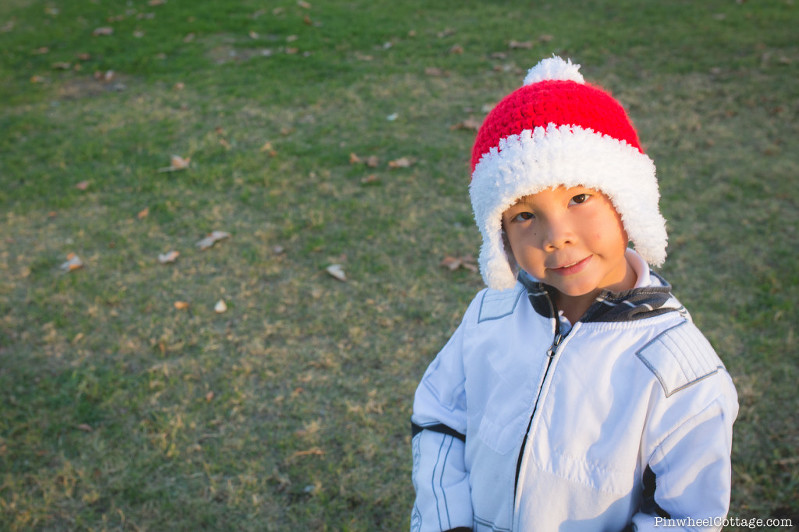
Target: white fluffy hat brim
[{"x": 568, "y": 156}]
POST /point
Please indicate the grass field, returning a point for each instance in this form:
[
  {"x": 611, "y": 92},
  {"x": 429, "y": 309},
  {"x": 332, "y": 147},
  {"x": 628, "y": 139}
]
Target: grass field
[{"x": 321, "y": 133}]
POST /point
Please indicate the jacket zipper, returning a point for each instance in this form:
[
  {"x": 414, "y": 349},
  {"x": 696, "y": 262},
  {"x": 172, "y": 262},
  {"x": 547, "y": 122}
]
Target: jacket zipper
[
  {"x": 551, "y": 352},
  {"x": 553, "y": 349}
]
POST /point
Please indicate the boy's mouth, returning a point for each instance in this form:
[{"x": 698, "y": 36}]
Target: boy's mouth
[{"x": 571, "y": 269}]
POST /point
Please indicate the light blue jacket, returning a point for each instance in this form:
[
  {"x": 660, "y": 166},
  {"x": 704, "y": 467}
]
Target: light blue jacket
[{"x": 619, "y": 424}]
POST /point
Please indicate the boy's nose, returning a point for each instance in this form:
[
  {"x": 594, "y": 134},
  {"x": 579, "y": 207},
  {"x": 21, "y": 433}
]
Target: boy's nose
[{"x": 557, "y": 236}]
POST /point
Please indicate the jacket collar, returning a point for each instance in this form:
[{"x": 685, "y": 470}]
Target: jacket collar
[{"x": 628, "y": 305}]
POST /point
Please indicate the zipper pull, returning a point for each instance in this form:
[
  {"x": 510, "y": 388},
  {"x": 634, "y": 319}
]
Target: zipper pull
[{"x": 555, "y": 343}]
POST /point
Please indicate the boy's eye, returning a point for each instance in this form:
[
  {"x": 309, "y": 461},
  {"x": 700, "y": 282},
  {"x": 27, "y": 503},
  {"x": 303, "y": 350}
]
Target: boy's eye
[
  {"x": 580, "y": 198},
  {"x": 523, "y": 216}
]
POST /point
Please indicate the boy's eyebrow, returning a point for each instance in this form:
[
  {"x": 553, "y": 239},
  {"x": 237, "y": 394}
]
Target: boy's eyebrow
[{"x": 522, "y": 201}]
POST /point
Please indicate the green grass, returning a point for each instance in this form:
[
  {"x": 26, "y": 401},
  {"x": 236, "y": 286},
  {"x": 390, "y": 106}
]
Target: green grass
[{"x": 290, "y": 411}]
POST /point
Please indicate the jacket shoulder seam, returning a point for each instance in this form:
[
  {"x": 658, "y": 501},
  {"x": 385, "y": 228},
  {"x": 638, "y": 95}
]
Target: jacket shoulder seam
[
  {"x": 680, "y": 357},
  {"x": 497, "y": 304}
]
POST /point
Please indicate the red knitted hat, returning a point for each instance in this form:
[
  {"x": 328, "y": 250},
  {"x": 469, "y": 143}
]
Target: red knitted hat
[{"x": 556, "y": 130}]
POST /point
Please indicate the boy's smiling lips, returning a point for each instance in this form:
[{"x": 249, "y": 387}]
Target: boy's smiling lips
[{"x": 573, "y": 267}]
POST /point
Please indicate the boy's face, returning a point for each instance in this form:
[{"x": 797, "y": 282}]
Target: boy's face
[{"x": 570, "y": 238}]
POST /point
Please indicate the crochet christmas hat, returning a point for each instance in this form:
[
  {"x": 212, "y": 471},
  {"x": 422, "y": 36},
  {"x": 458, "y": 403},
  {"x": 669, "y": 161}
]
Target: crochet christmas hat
[{"x": 557, "y": 130}]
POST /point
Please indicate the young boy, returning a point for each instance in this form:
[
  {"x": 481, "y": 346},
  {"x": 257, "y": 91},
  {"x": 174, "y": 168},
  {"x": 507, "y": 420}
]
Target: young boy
[{"x": 576, "y": 394}]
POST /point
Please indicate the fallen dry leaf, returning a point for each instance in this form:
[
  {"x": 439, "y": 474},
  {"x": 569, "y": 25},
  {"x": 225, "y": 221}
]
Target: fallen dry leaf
[
  {"x": 371, "y": 178},
  {"x": 517, "y": 45},
  {"x": 267, "y": 147},
  {"x": 457, "y": 49},
  {"x": 209, "y": 396},
  {"x": 225, "y": 144},
  {"x": 310, "y": 429},
  {"x": 42, "y": 50},
  {"x": 156, "y": 3},
  {"x": 469, "y": 124},
  {"x": 372, "y": 161},
  {"x": 106, "y": 30},
  {"x": 434, "y": 71},
  {"x": 85, "y": 427},
  {"x": 38, "y": 79},
  {"x": 470, "y": 265},
  {"x": 73, "y": 263},
  {"x": 179, "y": 163},
  {"x": 303, "y": 4},
  {"x": 181, "y": 305},
  {"x": 453, "y": 263},
  {"x": 337, "y": 272},
  {"x": 169, "y": 257},
  {"x": 144, "y": 213},
  {"x": 106, "y": 76},
  {"x": 179, "y": 86},
  {"x": 316, "y": 451},
  {"x": 212, "y": 239},
  {"x": 83, "y": 185},
  {"x": 402, "y": 162},
  {"x": 220, "y": 306},
  {"x": 176, "y": 163}
]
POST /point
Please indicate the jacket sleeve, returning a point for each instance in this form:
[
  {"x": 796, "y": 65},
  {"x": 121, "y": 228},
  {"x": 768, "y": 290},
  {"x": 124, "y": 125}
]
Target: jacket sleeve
[
  {"x": 688, "y": 484},
  {"x": 440, "y": 477}
]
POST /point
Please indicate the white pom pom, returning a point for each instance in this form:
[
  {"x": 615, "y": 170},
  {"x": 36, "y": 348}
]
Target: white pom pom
[{"x": 554, "y": 68}]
